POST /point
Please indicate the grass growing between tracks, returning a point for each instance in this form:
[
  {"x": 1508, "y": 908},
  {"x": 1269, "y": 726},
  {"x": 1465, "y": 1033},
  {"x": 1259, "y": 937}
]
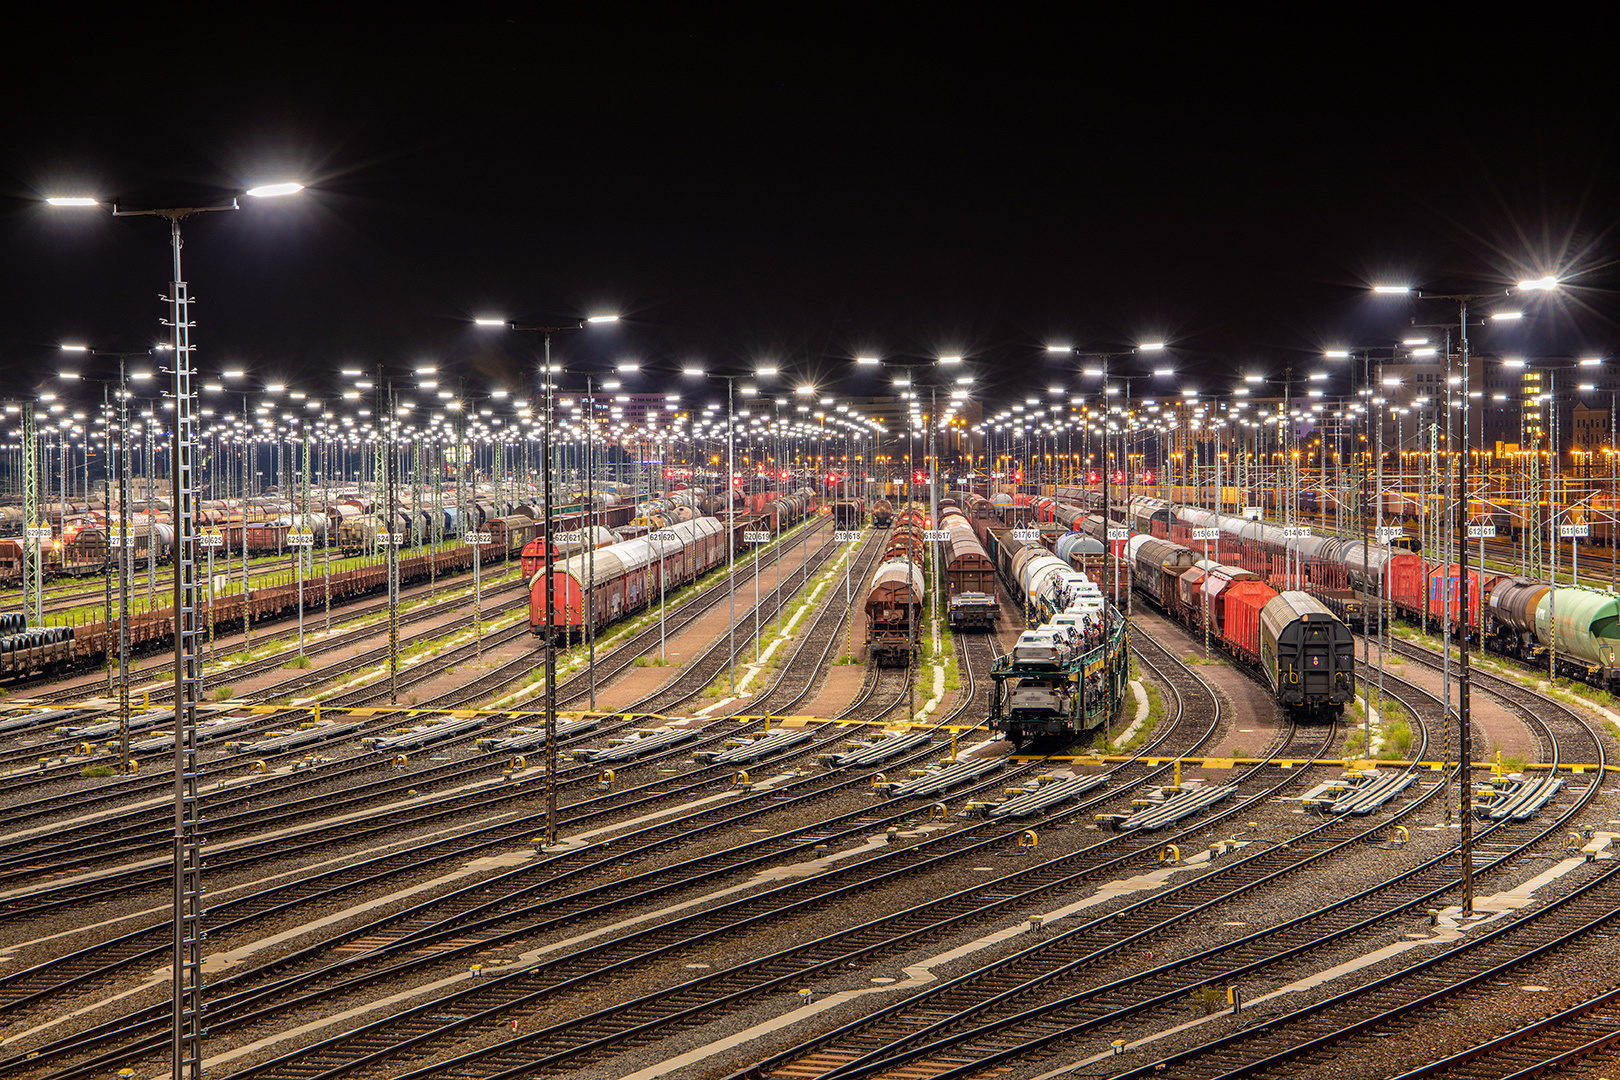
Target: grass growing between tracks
[
  {"x": 571, "y": 658},
  {"x": 1567, "y": 691},
  {"x": 779, "y": 631}
]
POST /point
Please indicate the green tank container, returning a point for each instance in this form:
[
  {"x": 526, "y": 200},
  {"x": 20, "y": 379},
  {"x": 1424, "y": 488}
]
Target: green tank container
[{"x": 1588, "y": 624}]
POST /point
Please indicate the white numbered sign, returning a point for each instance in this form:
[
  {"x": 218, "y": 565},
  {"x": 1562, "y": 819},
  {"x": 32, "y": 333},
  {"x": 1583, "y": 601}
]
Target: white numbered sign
[
  {"x": 1386, "y": 533},
  {"x": 1206, "y": 532},
  {"x": 390, "y": 539},
  {"x": 478, "y": 538},
  {"x": 1574, "y": 531},
  {"x": 845, "y": 536},
  {"x": 570, "y": 537},
  {"x": 300, "y": 539},
  {"x": 207, "y": 540},
  {"x": 664, "y": 536},
  {"x": 939, "y": 536},
  {"x": 1026, "y": 536},
  {"x": 1482, "y": 532},
  {"x": 125, "y": 539},
  {"x": 1296, "y": 532},
  {"x": 1116, "y": 532},
  {"x": 753, "y": 537},
  {"x": 37, "y": 532}
]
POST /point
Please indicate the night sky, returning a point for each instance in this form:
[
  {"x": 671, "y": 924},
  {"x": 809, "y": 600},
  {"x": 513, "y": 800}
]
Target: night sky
[{"x": 736, "y": 209}]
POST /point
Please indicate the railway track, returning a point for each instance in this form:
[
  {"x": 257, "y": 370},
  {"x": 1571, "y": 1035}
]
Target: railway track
[
  {"x": 1418, "y": 888},
  {"x": 435, "y": 926},
  {"x": 858, "y": 827},
  {"x": 1272, "y": 1047},
  {"x": 349, "y": 613},
  {"x": 73, "y": 848},
  {"x": 296, "y": 683},
  {"x": 1006, "y": 1011},
  {"x": 484, "y": 1006},
  {"x": 569, "y": 690},
  {"x": 131, "y": 837}
]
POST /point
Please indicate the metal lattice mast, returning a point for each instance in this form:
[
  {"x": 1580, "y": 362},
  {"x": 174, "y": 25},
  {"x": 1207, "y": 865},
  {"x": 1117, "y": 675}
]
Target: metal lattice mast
[
  {"x": 1533, "y": 517},
  {"x": 188, "y": 912},
  {"x": 33, "y": 570},
  {"x": 379, "y": 503},
  {"x": 416, "y": 495}
]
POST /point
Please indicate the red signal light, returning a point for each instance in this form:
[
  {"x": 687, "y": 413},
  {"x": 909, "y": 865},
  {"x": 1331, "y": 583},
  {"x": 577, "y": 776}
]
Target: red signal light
[{"x": 1092, "y": 477}]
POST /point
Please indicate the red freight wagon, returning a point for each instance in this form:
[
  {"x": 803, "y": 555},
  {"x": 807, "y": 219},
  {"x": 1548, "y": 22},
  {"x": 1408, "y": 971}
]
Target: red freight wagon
[
  {"x": 1243, "y": 602},
  {"x": 1405, "y": 578},
  {"x": 1183, "y": 596},
  {"x": 1439, "y": 576},
  {"x": 1216, "y": 583}
]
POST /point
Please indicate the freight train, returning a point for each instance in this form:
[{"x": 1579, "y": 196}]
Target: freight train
[
  {"x": 595, "y": 587},
  {"x": 970, "y": 576},
  {"x": 1520, "y": 617},
  {"x": 1304, "y": 652},
  {"x": 894, "y": 604},
  {"x": 87, "y": 644}
]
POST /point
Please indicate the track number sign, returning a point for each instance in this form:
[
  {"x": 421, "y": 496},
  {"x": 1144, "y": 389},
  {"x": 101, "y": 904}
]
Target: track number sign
[
  {"x": 757, "y": 537},
  {"x": 1118, "y": 532},
  {"x": 846, "y": 536},
  {"x": 1297, "y": 532},
  {"x": 206, "y": 540},
  {"x": 478, "y": 538},
  {"x": 37, "y": 532},
  {"x": 1026, "y": 536},
  {"x": 1570, "y": 532},
  {"x": 1206, "y": 532},
  {"x": 938, "y": 536},
  {"x": 1482, "y": 532},
  {"x": 301, "y": 539},
  {"x": 664, "y": 536},
  {"x": 1386, "y": 533}
]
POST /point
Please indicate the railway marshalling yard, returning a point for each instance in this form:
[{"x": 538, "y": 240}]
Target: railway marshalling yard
[{"x": 827, "y": 869}]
